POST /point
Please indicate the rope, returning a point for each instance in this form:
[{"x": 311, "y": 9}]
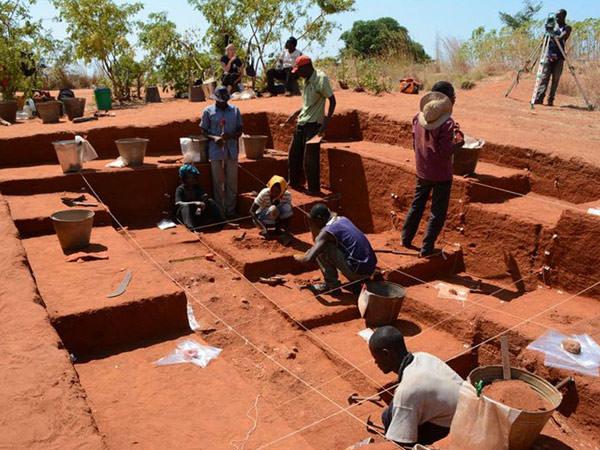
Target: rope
[
  {"x": 455, "y": 356},
  {"x": 216, "y": 316}
]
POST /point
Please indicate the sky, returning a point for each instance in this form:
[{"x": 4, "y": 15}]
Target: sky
[{"x": 425, "y": 19}]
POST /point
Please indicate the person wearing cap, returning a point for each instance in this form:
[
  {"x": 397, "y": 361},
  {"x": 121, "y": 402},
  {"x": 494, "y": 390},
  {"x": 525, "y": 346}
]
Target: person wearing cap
[
  {"x": 339, "y": 246},
  {"x": 222, "y": 124},
  {"x": 232, "y": 69},
  {"x": 272, "y": 207},
  {"x": 433, "y": 142},
  {"x": 426, "y": 395},
  {"x": 283, "y": 70},
  {"x": 193, "y": 207},
  {"x": 304, "y": 160}
]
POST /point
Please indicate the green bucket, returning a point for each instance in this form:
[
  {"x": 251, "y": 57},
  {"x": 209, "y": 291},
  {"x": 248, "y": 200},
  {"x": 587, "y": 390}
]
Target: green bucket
[{"x": 103, "y": 98}]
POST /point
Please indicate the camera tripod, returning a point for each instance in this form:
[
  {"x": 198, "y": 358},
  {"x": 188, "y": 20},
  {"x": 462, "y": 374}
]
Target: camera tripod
[{"x": 541, "y": 52}]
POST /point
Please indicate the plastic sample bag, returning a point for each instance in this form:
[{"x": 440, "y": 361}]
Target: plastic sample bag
[
  {"x": 587, "y": 362},
  {"x": 451, "y": 291},
  {"x": 190, "y": 351},
  {"x": 480, "y": 423}
]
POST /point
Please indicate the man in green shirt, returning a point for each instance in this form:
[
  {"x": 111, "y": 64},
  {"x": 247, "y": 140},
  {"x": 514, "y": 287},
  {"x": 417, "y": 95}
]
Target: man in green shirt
[{"x": 304, "y": 160}]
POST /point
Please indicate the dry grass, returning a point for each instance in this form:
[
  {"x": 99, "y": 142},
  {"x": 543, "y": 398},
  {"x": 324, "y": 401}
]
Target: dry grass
[{"x": 589, "y": 77}]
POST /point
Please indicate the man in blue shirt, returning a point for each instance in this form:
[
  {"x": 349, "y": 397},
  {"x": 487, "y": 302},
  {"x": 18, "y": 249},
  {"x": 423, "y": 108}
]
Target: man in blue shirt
[
  {"x": 222, "y": 124},
  {"x": 339, "y": 247}
]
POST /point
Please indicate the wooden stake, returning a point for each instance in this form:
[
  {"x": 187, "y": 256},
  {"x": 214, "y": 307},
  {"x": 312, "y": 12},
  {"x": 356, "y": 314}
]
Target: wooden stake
[{"x": 505, "y": 357}]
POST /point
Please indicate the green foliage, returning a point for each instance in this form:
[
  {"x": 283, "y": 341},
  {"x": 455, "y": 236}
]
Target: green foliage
[
  {"x": 23, "y": 44},
  {"x": 382, "y": 36},
  {"x": 258, "y": 25},
  {"x": 173, "y": 60},
  {"x": 98, "y": 30},
  {"x": 522, "y": 18}
]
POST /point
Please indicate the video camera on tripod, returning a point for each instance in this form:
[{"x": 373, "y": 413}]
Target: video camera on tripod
[{"x": 550, "y": 24}]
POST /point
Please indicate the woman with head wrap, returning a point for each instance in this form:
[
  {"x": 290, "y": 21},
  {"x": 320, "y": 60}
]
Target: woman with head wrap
[
  {"x": 193, "y": 207},
  {"x": 272, "y": 207}
]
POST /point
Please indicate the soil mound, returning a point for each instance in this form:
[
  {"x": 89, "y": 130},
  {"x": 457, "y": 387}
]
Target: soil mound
[{"x": 516, "y": 394}]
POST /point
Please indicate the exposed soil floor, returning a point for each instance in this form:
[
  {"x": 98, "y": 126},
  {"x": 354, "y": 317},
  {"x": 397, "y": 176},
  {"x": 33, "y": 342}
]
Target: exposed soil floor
[{"x": 519, "y": 247}]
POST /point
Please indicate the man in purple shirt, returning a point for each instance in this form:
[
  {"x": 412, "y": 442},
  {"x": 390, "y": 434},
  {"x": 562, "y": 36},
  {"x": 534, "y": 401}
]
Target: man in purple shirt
[
  {"x": 433, "y": 141},
  {"x": 339, "y": 246}
]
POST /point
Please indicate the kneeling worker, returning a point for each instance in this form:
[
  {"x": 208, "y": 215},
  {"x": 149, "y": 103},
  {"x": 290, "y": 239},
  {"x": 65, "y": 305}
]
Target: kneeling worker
[
  {"x": 427, "y": 393},
  {"x": 193, "y": 207},
  {"x": 339, "y": 245},
  {"x": 273, "y": 207}
]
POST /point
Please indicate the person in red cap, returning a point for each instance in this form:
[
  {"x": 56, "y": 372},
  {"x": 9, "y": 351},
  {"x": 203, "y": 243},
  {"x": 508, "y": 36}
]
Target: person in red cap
[{"x": 304, "y": 160}]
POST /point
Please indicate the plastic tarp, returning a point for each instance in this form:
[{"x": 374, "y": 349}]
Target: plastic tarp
[
  {"x": 587, "y": 362},
  {"x": 190, "y": 351}
]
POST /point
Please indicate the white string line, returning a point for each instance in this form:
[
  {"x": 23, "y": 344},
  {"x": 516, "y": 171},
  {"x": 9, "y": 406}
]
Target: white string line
[
  {"x": 244, "y": 338},
  {"x": 452, "y": 357},
  {"x": 310, "y": 330},
  {"x": 241, "y": 444},
  {"x": 471, "y": 181},
  {"x": 409, "y": 339},
  {"x": 287, "y": 314}
]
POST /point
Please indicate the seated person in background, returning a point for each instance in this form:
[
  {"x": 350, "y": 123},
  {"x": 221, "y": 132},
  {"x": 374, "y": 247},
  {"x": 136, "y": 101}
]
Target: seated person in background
[
  {"x": 273, "y": 207},
  {"x": 426, "y": 395},
  {"x": 339, "y": 245},
  {"x": 283, "y": 69},
  {"x": 232, "y": 69},
  {"x": 193, "y": 208}
]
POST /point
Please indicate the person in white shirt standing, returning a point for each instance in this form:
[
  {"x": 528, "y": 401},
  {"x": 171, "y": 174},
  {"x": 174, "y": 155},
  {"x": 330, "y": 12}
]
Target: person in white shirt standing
[
  {"x": 283, "y": 69},
  {"x": 426, "y": 395}
]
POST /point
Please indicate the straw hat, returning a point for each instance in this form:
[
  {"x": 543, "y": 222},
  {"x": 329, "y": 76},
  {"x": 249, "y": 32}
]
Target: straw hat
[{"x": 436, "y": 108}]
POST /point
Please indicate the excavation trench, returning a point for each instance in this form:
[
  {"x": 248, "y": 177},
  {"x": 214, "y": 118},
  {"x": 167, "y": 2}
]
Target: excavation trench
[{"x": 288, "y": 358}]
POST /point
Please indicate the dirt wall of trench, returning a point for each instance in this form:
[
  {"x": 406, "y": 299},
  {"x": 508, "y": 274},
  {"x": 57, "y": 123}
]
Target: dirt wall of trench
[{"x": 44, "y": 405}]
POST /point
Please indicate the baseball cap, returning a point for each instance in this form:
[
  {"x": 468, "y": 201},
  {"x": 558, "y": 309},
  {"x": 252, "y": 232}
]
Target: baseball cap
[
  {"x": 221, "y": 94},
  {"x": 302, "y": 60}
]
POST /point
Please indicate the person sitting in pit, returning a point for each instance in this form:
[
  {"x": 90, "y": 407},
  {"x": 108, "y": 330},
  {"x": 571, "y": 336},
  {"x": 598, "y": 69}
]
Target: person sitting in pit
[
  {"x": 193, "y": 207},
  {"x": 426, "y": 396},
  {"x": 283, "y": 69},
  {"x": 339, "y": 246},
  {"x": 232, "y": 69},
  {"x": 272, "y": 207},
  {"x": 434, "y": 138}
]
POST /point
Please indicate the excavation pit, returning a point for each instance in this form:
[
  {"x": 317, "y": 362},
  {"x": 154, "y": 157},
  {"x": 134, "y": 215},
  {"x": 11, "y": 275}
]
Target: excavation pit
[{"x": 295, "y": 356}]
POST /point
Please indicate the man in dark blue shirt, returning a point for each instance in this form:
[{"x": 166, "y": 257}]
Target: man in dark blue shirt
[{"x": 554, "y": 64}]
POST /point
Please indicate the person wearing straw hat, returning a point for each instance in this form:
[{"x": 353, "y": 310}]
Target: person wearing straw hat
[
  {"x": 426, "y": 395},
  {"x": 304, "y": 160},
  {"x": 222, "y": 124},
  {"x": 193, "y": 207},
  {"x": 433, "y": 142},
  {"x": 272, "y": 207}
]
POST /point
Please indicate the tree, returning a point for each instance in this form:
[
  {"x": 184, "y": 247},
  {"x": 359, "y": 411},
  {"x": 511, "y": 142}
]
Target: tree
[
  {"x": 174, "y": 60},
  {"x": 23, "y": 46},
  {"x": 382, "y": 36},
  {"x": 523, "y": 17},
  {"x": 98, "y": 30},
  {"x": 257, "y": 25}
]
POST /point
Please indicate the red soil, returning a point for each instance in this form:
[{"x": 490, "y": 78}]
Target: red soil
[
  {"x": 44, "y": 405},
  {"x": 364, "y": 175},
  {"x": 516, "y": 394}
]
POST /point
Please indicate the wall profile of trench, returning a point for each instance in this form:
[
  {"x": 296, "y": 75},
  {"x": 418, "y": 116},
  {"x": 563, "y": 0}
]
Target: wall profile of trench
[{"x": 367, "y": 162}]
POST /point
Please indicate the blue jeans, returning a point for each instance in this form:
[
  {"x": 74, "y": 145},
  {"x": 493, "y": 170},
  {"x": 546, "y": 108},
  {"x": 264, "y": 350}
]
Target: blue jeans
[{"x": 440, "y": 199}]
